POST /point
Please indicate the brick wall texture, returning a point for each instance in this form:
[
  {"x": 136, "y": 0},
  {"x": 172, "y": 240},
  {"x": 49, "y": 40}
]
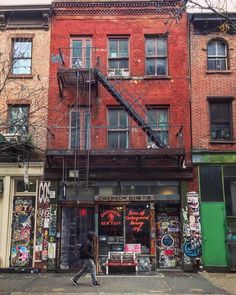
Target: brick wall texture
[{"x": 204, "y": 84}]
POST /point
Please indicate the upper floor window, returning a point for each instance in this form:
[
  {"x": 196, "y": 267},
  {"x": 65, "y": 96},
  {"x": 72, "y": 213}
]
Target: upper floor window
[
  {"x": 80, "y": 129},
  {"x": 118, "y": 57},
  {"x": 21, "y": 56},
  {"x": 158, "y": 121},
  {"x": 217, "y": 59},
  {"x": 156, "y": 56},
  {"x": 18, "y": 117},
  {"x": 117, "y": 129},
  {"x": 220, "y": 120},
  {"x": 81, "y": 52}
]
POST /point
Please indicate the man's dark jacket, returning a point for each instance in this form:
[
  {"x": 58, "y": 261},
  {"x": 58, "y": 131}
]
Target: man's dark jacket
[{"x": 86, "y": 250}]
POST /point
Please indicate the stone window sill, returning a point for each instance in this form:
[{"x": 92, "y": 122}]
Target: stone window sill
[
  {"x": 225, "y": 72},
  {"x": 222, "y": 142},
  {"x": 20, "y": 76}
]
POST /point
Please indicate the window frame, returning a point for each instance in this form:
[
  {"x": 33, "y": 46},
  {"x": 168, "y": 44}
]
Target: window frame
[
  {"x": 221, "y": 100},
  {"x": 118, "y": 129},
  {"x": 13, "y": 58},
  {"x": 118, "y": 71},
  {"x": 218, "y": 57},
  {"x": 156, "y": 56},
  {"x": 160, "y": 129},
  {"x": 83, "y": 39},
  {"x": 9, "y": 108},
  {"x": 84, "y": 140}
]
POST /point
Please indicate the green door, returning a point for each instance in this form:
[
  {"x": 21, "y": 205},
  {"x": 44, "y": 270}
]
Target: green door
[{"x": 213, "y": 234}]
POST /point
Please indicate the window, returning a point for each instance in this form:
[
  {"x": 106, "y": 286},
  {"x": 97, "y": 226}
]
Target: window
[
  {"x": 221, "y": 124},
  {"x": 118, "y": 59},
  {"x": 22, "y": 56},
  {"x": 156, "y": 56},
  {"x": 217, "y": 56},
  {"x": 18, "y": 119},
  {"x": 158, "y": 121},
  {"x": 81, "y": 53},
  {"x": 79, "y": 129},
  {"x": 117, "y": 129},
  {"x": 230, "y": 189}
]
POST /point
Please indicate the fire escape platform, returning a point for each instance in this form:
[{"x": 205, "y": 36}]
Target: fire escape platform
[{"x": 78, "y": 77}]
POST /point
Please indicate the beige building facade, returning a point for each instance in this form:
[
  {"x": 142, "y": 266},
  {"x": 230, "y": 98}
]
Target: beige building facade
[{"x": 24, "y": 80}]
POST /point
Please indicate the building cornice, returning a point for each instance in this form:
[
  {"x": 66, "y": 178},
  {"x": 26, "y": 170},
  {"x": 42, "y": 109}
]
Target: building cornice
[{"x": 174, "y": 8}]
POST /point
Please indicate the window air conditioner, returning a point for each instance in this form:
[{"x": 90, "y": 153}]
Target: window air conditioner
[{"x": 119, "y": 72}]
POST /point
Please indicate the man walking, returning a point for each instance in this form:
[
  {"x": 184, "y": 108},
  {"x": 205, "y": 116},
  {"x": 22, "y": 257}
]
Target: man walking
[{"x": 86, "y": 254}]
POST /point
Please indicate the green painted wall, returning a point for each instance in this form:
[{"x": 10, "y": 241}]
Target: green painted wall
[{"x": 214, "y": 234}]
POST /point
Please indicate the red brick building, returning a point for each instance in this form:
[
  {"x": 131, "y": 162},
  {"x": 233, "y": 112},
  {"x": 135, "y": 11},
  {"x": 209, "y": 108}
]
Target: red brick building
[
  {"x": 119, "y": 128},
  {"x": 213, "y": 106}
]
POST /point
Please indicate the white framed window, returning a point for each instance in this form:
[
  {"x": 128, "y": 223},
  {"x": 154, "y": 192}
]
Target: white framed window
[
  {"x": 158, "y": 121},
  {"x": 217, "y": 56},
  {"x": 21, "y": 56},
  {"x": 80, "y": 129},
  {"x": 118, "y": 56},
  {"x": 156, "y": 56},
  {"x": 118, "y": 129},
  {"x": 81, "y": 52}
]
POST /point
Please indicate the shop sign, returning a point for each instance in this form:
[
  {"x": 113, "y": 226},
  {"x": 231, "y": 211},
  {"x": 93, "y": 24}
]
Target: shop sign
[
  {"x": 136, "y": 219},
  {"x": 111, "y": 217},
  {"x": 133, "y": 248},
  {"x": 124, "y": 198}
]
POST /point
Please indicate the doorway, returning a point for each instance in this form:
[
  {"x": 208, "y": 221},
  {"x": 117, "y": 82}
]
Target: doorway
[{"x": 75, "y": 224}]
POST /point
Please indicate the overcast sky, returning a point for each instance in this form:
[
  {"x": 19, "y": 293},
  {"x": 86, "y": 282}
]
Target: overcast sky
[{"x": 229, "y": 5}]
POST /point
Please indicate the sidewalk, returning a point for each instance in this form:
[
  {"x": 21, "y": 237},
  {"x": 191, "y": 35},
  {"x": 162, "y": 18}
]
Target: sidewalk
[
  {"x": 226, "y": 281},
  {"x": 166, "y": 283}
]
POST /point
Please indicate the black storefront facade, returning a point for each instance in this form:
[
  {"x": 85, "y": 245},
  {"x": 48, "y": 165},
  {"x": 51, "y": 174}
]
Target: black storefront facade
[{"x": 133, "y": 204}]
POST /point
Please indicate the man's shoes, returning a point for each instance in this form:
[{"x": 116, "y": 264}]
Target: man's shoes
[
  {"x": 96, "y": 284},
  {"x": 74, "y": 282}
]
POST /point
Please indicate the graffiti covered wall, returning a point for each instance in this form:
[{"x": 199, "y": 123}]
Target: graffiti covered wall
[
  {"x": 45, "y": 247},
  {"x": 192, "y": 244}
]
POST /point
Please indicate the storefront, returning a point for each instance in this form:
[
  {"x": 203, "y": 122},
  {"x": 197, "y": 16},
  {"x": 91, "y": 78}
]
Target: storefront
[{"x": 143, "y": 218}]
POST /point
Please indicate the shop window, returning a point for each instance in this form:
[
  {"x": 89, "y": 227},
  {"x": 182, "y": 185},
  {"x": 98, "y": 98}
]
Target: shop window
[
  {"x": 211, "y": 184},
  {"x": 137, "y": 224},
  {"x": 22, "y": 187},
  {"x": 220, "y": 120},
  {"x": 156, "y": 56},
  {"x": 21, "y": 56},
  {"x": 81, "y": 53},
  {"x": 110, "y": 221},
  {"x": 230, "y": 189},
  {"x": 158, "y": 121},
  {"x": 118, "y": 58},
  {"x": 79, "y": 129},
  {"x": 18, "y": 118},
  {"x": 118, "y": 129},
  {"x": 217, "y": 56}
]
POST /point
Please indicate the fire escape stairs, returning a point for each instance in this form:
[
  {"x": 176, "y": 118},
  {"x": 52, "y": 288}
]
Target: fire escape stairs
[{"x": 129, "y": 107}]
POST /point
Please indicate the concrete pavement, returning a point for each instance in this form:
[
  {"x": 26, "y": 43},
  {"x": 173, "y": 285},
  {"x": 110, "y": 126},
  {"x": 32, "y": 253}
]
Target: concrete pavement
[{"x": 167, "y": 283}]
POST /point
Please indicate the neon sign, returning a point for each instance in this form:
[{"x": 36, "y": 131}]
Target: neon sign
[
  {"x": 136, "y": 219},
  {"x": 111, "y": 217}
]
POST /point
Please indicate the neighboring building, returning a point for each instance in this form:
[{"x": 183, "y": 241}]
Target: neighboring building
[
  {"x": 213, "y": 106},
  {"x": 119, "y": 143},
  {"x": 24, "y": 62}
]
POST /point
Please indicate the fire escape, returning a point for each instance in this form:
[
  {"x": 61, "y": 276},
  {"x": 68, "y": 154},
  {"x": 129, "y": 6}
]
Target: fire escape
[{"x": 88, "y": 78}]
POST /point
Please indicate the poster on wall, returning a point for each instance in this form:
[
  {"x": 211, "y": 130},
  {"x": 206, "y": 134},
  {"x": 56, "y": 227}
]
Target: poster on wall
[
  {"x": 168, "y": 238},
  {"x": 22, "y": 231}
]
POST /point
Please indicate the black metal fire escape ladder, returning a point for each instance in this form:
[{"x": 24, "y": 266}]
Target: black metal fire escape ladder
[{"x": 129, "y": 106}]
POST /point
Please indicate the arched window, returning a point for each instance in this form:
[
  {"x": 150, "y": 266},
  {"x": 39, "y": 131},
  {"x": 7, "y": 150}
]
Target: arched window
[{"x": 217, "y": 56}]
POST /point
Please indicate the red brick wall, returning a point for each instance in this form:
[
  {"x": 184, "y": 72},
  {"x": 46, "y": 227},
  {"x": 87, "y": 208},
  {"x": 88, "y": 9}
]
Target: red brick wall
[
  {"x": 173, "y": 91},
  {"x": 205, "y": 84}
]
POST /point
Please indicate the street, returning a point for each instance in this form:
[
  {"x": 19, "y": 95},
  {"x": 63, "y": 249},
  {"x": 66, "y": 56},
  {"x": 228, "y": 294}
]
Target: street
[{"x": 168, "y": 282}]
